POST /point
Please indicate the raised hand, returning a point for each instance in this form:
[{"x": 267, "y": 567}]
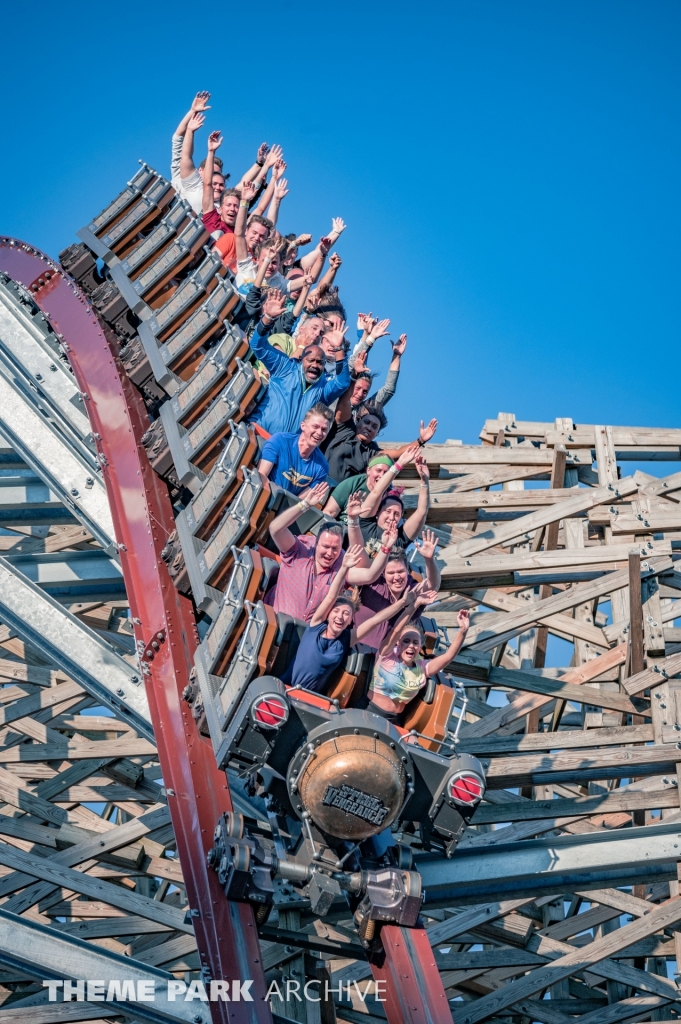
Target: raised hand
[
  {"x": 336, "y": 338},
  {"x": 425, "y": 433},
  {"x": 400, "y": 345},
  {"x": 353, "y": 556},
  {"x": 409, "y": 454},
  {"x": 338, "y": 225},
  {"x": 335, "y": 262},
  {"x": 361, "y": 362},
  {"x": 214, "y": 141},
  {"x": 379, "y": 330},
  {"x": 464, "y": 619},
  {"x": 195, "y": 122},
  {"x": 318, "y": 494},
  {"x": 354, "y": 506},
  {"x": 278, "y": 169},
  {"x": 428, "y": 544},
  {"x": 281, "y": 189},
  {"x": 302, "y": 240},
  {"x": 248, "y": 191},
  {"x": 263, "y": 150},
  {"x": 425, "y": 597},
  {"x": 276, "y": 153},
  {"x": 421, "y": 468},
  {"x": 274, "y": 304},
  {"x": 324, "y": 245},
  {"x": 200, "y": 102},
  {"x": 389, "y": 538}
]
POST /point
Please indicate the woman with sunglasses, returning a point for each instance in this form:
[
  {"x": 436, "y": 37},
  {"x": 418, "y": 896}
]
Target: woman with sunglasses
[{"x": 400, "y": 671}]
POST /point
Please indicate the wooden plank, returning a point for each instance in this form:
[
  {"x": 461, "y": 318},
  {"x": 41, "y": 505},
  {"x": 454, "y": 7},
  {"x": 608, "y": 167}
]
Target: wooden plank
[
  {"x": 562, "y": 740},
  {"x": 533, "y": 769},
  {"x": 515, "y": 622},
  {"x": 114, "y": 895},
  {"x": 658, "y": 918},
  {"x": 502, "y": 717},
  {"x": 580, "y": 501},
  {"x": 532, "y": 810},
  {"x": 69, "y": 750}
]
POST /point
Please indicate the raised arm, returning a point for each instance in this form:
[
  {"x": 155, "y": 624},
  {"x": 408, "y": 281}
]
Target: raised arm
[
  {"x": 374, "y": 498},
  {"x": 427, "y": 548},
  {"x": 425, "y": 434},
  {"x": 255, "y": 169},
  {"x": 248, "y": 190},
  {"x": 408, "y": 603},
  {"x": 279, "y": 527},
  {"x": 350, "y": 559},
  {"x": 417, "y": 520},
  {"x": 214, "y": 143},
  {"x": 335, "y": 263},
  {"x": 275, "y": 361},
  {"x": 199, "y": 104},
  {"x": 187, "y": 156},
  {"x": 360, "y": 576},
  {"x": 384, "y": 394},
  {"x": 280, "y": 191},
  {"x": 354, "y": 531},
  {"x": 436, "y": 665}
]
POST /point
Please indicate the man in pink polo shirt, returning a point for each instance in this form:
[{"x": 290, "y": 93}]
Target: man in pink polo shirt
[{"x": 309, "y": 564}]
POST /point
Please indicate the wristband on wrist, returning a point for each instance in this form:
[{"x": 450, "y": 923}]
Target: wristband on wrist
[
  {"x": 385, "y": 550},
  {"x": 397, "y": 467},
  {"x": 421, "y": 443},
  {"x": 242, "y": 202},
  {"x": 354, "y": 521},
  {"x": 303, "y": 505}
]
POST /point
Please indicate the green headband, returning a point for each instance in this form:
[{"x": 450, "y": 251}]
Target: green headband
[{"x": 380, "y": 460}]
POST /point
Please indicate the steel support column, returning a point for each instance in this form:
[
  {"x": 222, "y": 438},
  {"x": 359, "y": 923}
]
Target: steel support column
[
  {"x": 142, "y": 515},
  {"x": 409, "y": 978}
]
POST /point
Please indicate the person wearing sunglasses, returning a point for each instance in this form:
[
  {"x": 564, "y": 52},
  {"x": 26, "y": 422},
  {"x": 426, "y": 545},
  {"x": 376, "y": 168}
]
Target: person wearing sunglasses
[{"x": 400, "y": 671}]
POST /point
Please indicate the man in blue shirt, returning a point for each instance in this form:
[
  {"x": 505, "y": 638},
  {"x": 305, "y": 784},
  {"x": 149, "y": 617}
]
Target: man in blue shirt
[
  {"x": 295, "y": 386},
  {"x": 293, "y": 461}
]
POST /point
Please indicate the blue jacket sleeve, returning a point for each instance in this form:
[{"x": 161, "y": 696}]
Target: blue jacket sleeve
[
  {"x": 338, "y": 385},
  {"x": 276, "y": 362}
]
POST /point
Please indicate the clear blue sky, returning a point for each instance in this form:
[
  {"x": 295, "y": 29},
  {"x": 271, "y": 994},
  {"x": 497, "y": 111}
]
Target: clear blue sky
[{"x": 508, "y": 169}]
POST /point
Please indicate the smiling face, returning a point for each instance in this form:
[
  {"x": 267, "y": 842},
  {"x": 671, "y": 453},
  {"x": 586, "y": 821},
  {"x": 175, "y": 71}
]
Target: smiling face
[
  {"x": 340, "y": 618},
  {"x": 313, "y": 363},
  {"x": 390, "y": 514},
  {"x": 314, "y": 429},
  {"x": 409, "y": 646},
  {"x": 255, "y": 235},
  {"x": 327, "y": 551},
  {"x": 218, "y": 185},
  {"x": 229, "y": 209},
  {"x": 368, "y": 427},
  {"x": 396, "y": 576},
  {"x": 360, "y": 391}
]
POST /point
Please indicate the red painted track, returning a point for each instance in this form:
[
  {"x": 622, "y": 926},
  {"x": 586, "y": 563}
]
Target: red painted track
[{"x": 197, "y": 792}]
